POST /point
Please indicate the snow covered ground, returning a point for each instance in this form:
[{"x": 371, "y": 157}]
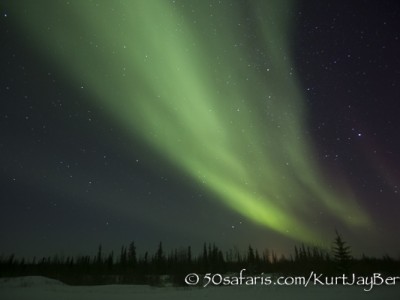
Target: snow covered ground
[{"x": 36, "y": 287}]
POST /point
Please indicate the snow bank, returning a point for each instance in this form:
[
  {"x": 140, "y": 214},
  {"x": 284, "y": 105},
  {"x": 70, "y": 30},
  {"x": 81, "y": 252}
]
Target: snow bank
[
  {"x": 42, "y": 288},
  {"x": 28, "y": 281}
]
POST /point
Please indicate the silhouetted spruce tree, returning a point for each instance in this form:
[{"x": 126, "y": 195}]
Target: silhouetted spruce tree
[
  {"x": 99, "y": 256},
  {"x": 110, "y": 262},
  {"x": 341, "y": 254},
  {"x": 251, "y": 260},
  {"x": 132, "y": 260},
  {"x": 204, "y": 267},
  {"x": 160, "y": 260},
  {"x": 123, "y": 260}
]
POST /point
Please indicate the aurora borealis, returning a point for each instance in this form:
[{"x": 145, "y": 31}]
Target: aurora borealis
[{"x": 214, "y": 91}]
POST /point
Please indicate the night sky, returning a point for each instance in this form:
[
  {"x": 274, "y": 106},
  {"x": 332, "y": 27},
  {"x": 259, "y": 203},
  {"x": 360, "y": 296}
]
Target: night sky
[{"x": 268, "y": 123}]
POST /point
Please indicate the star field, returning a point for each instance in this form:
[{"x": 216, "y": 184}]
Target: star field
[{"x": 236, "y": 122}]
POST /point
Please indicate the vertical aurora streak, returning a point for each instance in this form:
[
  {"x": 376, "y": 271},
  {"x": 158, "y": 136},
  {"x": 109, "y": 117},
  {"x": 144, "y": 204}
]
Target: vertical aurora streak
[{"x": 185, "y": 80}]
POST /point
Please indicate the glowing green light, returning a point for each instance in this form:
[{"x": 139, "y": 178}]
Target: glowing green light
[{"x": 179, "y": 75}]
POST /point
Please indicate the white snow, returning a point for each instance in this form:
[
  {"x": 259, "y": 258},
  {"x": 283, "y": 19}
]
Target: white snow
[{"x": 36, "y": 287}]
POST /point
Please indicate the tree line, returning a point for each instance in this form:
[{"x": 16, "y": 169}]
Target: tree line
[{"x": 161, "y": 267}]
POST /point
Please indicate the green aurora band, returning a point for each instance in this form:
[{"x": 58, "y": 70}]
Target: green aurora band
[{"x": 186, "y": 78}]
